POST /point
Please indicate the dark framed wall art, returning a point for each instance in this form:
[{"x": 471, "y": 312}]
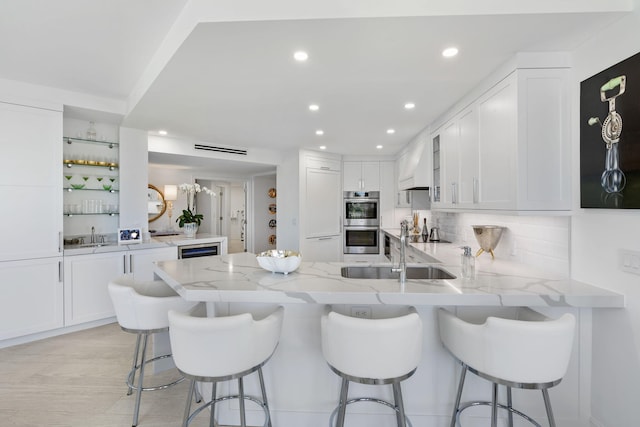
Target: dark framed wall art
[{"x": 610, "y": 137}]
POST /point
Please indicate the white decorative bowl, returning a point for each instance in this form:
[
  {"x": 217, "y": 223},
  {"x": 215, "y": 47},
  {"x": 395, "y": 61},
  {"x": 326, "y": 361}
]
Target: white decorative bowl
[{"x": 278, "y": 261}]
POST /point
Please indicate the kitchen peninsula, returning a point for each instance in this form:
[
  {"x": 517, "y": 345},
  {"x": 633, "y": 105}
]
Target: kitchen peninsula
[{"x": 303, "y": 388}]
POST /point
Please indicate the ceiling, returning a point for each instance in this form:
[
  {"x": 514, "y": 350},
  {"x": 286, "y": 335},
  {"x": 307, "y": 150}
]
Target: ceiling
[{"x": 234, "y": 81}]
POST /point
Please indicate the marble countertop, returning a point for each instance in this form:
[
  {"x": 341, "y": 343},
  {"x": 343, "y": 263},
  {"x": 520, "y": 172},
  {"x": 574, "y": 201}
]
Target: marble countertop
[
  {"x": 239, "y": 278},
  {"x": 149, "y": 243}
]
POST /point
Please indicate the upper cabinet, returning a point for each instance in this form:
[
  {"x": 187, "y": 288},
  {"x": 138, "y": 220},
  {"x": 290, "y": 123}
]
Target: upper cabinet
[
  {"x": 509, "y": 149},
  {"x": 361, "y": 176},
  {"x": 30, "y": 182}
]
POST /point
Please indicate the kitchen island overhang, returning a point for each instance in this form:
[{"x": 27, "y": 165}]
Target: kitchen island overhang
[{"x": 239, "y": 278}]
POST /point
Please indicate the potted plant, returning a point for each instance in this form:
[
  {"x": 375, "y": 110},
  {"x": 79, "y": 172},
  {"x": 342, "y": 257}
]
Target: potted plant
[{"x": 189, "y": 219}]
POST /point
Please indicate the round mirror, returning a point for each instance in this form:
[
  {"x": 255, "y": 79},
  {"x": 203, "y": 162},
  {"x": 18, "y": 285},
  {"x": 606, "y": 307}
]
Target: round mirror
[{"x": 156, "y": 205}]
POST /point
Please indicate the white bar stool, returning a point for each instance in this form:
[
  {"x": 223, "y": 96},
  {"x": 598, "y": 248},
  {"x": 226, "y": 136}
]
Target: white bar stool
[
  {"x": 216, "y": 349},
  {"x": 141, "y": 308},
  {"x": 529, "y": 352},
  {"x": 372, "y": 351}
]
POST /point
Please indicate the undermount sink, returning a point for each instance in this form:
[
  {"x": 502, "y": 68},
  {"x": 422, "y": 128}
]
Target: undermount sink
[{"x": 361, "y": 272}]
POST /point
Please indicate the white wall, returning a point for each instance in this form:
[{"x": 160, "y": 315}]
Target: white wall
[
  {"x": 596, "y": 238},
  {"x": 159, "y": 176}
]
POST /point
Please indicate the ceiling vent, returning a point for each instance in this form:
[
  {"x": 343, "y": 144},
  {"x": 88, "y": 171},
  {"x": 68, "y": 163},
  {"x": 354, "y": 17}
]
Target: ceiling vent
[{"x": 219, "y": 149}]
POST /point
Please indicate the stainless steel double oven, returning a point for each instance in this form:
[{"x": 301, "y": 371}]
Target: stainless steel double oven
[{"x": 361, "y": 222}]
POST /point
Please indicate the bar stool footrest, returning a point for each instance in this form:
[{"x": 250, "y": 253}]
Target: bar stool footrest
[
  {"x": 366, "y": 399},
  {"x": 499, "y": 405},
  {"x": 158, "y": 387},
  {"x": 255, "y": 400}
]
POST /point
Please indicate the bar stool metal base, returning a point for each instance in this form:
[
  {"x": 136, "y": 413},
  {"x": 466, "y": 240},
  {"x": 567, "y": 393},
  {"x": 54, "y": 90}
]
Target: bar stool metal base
[
  {"x": 398, "y": 406},
  {"x": 543, "y": 387},
  {"x": 138, "y": 366},
  {"x": 264, "y": 404},
  {"x": 367, "y": 399}
]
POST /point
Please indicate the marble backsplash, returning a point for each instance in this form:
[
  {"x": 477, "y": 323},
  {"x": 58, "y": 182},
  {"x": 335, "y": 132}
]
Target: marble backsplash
[{"x": 539, "y": 241}]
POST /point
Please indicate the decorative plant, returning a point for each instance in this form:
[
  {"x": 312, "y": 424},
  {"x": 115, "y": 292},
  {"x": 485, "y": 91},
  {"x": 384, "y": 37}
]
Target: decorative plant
[{"x": 189, "y": 214}]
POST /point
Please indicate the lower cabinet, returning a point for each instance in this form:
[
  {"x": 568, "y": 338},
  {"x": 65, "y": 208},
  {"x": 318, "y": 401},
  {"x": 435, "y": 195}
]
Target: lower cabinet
[
  {"x": 31, "y": 296},
  {"x": 140, "y": 262},
  {"x": 85, "y": 286},
  {"x": 86, "y": 278},
  {"x": 323, "y": 249}
]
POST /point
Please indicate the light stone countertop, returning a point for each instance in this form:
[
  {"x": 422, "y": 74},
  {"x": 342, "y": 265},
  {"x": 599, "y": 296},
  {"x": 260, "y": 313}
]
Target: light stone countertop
[
  {"x": 149, "y": 243},
  {"x": 239, "y": 278}
]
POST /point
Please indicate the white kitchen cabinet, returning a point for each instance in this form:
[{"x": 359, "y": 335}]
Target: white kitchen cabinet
[
  {"x": 85, "y": 286},
  {"x": 86, "y": 278},
  {"x": 30, "y": 182},
  {"x": 30, "y": 146},
  {"x": 510, "y": 149},
  {"x": 323, "y": 249},
  {"x": 31, "y": 296},
  {"x": 361, "y": 176},
  {"x": 450, "y": 169},
  {"x": 140, "y": 262},
  {"x": 523, "y": 132},
  {"x": 320, "y": 207},
  {"x": 468, "y": 158},
  {"x": 388, "y": 195}
]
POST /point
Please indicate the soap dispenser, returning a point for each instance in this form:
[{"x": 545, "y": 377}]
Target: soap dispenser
[{"x": 467, "y": 263}]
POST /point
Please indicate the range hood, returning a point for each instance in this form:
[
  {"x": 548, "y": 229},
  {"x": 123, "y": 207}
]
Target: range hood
[{"x": 414, "y": 165}]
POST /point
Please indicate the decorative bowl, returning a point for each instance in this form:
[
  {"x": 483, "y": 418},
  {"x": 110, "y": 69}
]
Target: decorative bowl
[
  {"x": 277, "y": 261},
  {"x": 488, "y": 237}
]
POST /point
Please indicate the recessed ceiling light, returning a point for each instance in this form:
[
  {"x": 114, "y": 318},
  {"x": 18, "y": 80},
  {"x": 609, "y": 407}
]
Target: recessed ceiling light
[
  {"x": 301, "y": 56},
  {"x": 162, "y": 132},
  {"x": 323, "y": 147},
  {"x": 391, "y": 131},
  {"x": 409, "y": 106},
  {"x": 314, "y": 107},
  {"x": 450, "y": 52},
  {"x": 379, "y": 147},
  {"x": 319, "y": 132}
]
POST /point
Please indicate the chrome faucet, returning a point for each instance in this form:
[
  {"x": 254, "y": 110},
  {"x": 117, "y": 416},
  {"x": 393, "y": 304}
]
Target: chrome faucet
[
  {"x": 93, "y": 235},
  {"x": 402, "y": 267}
]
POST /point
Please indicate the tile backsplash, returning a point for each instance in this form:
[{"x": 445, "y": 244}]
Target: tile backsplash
[{"x": 539, "y": 241}]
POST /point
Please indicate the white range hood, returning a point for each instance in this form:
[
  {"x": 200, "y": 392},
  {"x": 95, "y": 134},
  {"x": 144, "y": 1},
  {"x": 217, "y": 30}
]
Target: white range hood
[{"x": 415, "y": 165}]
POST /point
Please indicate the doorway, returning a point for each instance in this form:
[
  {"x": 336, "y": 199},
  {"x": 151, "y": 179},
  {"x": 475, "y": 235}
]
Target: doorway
[{"x": 225, "y": 213}]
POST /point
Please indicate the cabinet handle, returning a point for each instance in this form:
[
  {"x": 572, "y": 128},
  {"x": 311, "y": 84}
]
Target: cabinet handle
[
  {"x": 475, "y": 190},
  {"x": 454, "y": 193},
  {"x": 325, "y": 168},
  {"x": 124, "y": 264},
  {"x": 60, "y": 275},
  {"x": 131, "y": 263},
  {"x": 324, "y": 238},
  {"x": 60, "y": 243}
]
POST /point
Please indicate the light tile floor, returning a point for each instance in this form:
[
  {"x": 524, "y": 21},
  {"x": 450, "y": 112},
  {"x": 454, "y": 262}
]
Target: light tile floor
[{"x": 78, "y": 380}]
